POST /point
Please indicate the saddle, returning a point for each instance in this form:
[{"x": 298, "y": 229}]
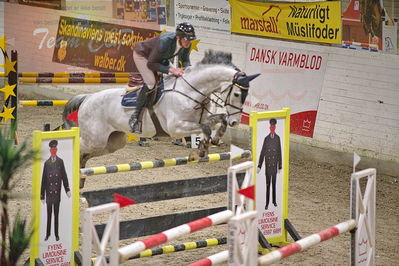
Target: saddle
[
  {"x": 129, "y": 99},
  {"x": 132, "y": 91}
]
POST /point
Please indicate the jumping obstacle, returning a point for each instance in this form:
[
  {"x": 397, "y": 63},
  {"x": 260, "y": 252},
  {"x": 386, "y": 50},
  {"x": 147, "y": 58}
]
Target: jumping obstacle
[
  {"x": 159, "y": 163},
  {"x": 169, "y": 190},
  {"x": 72, "y": 74},
  {"x": 72, "y": 80},
  {"x": 43, "y": 102},
  {"x": 111, "y": 232},
  {"x": 362, "y": 219}
]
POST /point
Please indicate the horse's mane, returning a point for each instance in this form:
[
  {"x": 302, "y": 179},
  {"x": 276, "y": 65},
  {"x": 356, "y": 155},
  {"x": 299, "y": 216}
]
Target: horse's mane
[
  {"x": 216, "y": 57},
  {"x": 211, "y": 57}
]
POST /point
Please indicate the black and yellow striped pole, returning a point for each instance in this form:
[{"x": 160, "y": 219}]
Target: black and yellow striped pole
[
  {"x": 43, "y": 102},
  {"x": 72, "y": 80},
  {"x": 178, "y": 247},
  {"x": 71, "y": 74},
  {"x": 160, "y": 163}
]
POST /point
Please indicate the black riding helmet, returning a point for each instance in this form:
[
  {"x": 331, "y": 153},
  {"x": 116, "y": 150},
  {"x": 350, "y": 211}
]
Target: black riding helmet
[{"x": 185, "y": 30}]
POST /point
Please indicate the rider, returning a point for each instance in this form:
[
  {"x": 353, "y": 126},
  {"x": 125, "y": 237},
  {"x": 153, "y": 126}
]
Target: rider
[{"x": 154, "y": 55}]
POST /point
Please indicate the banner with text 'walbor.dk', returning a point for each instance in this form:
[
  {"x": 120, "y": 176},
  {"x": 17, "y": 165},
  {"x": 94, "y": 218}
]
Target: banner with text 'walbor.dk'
[
  {"x": 97, "y": 45},
  {"x": 313, "y": 22}
]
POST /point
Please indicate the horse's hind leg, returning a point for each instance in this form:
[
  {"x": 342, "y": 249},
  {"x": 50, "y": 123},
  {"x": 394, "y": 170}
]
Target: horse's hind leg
[
  {"x": 116, "y": 141},
  {"x": 83, "y": 160}
]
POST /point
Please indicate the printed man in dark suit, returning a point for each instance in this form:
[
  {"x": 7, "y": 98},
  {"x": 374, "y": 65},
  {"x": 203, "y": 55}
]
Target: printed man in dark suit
[
  {"x": 54, "y": 175},
  {"x": 271, "y": 154}
]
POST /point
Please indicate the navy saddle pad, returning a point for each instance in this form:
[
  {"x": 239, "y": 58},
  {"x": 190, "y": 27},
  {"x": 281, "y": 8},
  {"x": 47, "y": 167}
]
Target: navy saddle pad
[{"x": 129, "y": 100}]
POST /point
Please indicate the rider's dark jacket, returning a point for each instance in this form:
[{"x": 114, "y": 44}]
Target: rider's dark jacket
[{"x": 160, "y": 49}]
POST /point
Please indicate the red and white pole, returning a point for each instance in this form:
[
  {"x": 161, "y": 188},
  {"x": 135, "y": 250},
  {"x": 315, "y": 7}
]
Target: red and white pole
[
  {"x": 133, "y": 249},
  {"x": 306, "y": 242},
  {"x": 212, "y": 260}
]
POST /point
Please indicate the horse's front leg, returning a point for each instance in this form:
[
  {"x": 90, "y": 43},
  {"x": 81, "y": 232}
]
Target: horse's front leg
[
  {"x": 212, "y": 121},
  {"x": 205, "y": 143},
  {"x": 219, "y": 132}
]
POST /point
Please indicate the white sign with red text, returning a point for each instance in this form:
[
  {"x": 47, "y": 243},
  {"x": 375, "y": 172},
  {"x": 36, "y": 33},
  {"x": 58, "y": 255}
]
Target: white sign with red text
[{"x": 290, "y": 78}]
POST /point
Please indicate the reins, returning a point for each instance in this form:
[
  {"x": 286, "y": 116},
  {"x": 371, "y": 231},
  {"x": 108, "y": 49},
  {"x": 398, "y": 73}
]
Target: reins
[{"x": 207, "y": 99}]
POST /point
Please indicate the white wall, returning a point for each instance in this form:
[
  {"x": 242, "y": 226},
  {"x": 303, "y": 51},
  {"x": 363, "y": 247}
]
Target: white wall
[{"x": 359, "y": 104}]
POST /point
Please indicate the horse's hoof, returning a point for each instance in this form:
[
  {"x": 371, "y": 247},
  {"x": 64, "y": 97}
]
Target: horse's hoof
[
  {"x": 144, "y": 144},
  {"x": 202, "y": 154},
  {"x": 193, "y": 157},
  {"x": 215, "y": 142},
  {"x": 82, "y": 183}
]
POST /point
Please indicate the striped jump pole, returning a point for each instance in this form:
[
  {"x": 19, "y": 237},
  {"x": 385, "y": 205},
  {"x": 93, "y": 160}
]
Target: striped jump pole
[
  {"x": 133, "y": 249},
  {"x": 159, "y": 163},
  {"x": 72, "y": 74},
  {"x": 213, "y": 259},
  {"x": 72, "y": 80},
  {"x": 306, "y": 242},
  {"x": 43, "y": 103},
  {"x": 182, "y": 247},
  {"x": 177, "y": 248}
]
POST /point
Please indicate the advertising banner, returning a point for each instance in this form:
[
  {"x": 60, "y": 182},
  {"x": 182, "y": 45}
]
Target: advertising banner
[
  {"x": 206, "y": 14},
  {"x": 270, "y": 149},
  {"x": 97, "y": 45},
  {"x": 312, "y": 22},
  {"x": 362, "y": 25},
  {"x": 55, "y": 198},
  {"x": 34, "y": 33},
  {"x": 289, "y": 78}
]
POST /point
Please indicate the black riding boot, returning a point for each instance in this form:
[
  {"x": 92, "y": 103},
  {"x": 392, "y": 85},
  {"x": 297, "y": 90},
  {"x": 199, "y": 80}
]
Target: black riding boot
[{"x": 141, "y": 102}]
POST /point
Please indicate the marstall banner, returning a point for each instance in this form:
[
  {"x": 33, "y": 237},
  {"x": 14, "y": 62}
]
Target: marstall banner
[
  {"x": 290, "y": 78},
  {"x": 97, "y": 45},
  {"x": 205, "y": 14},
  {"x": 312, "y": 22}
]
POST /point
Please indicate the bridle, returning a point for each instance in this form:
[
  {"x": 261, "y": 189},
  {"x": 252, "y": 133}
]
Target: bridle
[
  {"x": 230, "y": 88},
  {"x": 207, "y": 99}
]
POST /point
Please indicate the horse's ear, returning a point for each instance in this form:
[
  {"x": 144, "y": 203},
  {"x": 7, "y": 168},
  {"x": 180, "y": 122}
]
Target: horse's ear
[
  {"x": 244, "y": 94},
  {"x": 243, "y": 81}
]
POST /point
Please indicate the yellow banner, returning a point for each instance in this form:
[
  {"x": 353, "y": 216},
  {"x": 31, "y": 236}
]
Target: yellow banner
[{"x": 314, "y": 22}]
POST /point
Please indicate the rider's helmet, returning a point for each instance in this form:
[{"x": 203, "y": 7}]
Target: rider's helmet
[{"x": 185, "y": 30}]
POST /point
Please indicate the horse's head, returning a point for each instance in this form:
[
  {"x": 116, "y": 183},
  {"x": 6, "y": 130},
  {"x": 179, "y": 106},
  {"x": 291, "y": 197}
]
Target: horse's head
[
  {"x": 234, "y": 96},
  {"x": 216, "y": 73}
]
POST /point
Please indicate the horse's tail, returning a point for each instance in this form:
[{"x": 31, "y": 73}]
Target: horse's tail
[{"x": 72, "y": 106}]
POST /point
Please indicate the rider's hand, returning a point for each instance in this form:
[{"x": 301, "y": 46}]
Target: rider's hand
[{"x": 176, "y": 71}]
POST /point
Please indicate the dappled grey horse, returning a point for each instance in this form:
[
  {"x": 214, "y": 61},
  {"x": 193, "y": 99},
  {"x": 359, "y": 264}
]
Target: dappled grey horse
[{"x": 183, "y": 108}]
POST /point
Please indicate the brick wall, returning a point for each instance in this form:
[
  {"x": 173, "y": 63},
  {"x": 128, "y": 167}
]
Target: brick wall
[{"x": 359, "y": 104}]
